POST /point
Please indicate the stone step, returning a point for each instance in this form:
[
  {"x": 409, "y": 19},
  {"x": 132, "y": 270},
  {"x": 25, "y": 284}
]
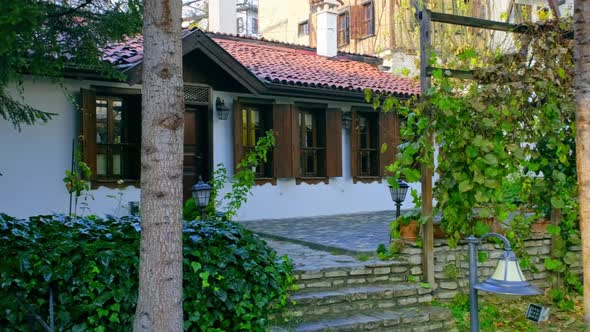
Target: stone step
[
  {"x": 312, "y": 302},
  {"x": 417, "y": 319},
  {"x": 373, "y": 272}
]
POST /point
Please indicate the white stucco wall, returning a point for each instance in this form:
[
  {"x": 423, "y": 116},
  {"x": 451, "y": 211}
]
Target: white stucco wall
[{"x": 33, "y": 162}]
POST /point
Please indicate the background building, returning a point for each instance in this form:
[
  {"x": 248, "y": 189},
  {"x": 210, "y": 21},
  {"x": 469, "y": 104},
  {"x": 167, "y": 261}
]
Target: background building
[{"x": 388, "y": 28}]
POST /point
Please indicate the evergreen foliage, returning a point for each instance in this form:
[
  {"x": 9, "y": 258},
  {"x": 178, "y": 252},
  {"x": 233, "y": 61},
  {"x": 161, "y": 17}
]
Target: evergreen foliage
[{"x": 45, "y": 39}]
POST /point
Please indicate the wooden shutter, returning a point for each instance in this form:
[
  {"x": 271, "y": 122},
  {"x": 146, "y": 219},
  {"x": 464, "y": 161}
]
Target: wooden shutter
[
  {"x": 283, "y": 130},
  {"x": 356, "y": 21},
  {"x": 311, "y": 30},
  {"x": 295, "y": 144},
  {"x": 354, "y": 144},
  {"x": 389, "y": 132},
  {"x": 333, "y": 143},
  {"x": 237, "y": 124},
  {"x": 89, "y": 129}
]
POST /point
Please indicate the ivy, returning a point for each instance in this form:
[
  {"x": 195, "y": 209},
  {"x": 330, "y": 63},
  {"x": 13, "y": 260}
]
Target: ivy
[
  {"x": 505, "y": 141},
  {"x": 232, "y": 279}
]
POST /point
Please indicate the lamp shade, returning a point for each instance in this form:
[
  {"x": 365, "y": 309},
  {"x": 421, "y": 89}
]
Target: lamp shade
[
  {"x": 201, "y": 193},
  {"x": 508, "y": 278},
  {"x": 398, "y": 194}
]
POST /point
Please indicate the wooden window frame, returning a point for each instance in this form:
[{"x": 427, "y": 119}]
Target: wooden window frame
[
  {"x": 303, "y": 28},
  {"x": 91, "y": 148},
  {"x": 372, "y": 146},
  {"x": 385, "y": 130},
  {"x": 343, "y": 28},
  {"x": 266, "y": 118},
  {"x": 240, "y": 149},
  {"x": 318, "y": 145},
  {"x": 368, "y": 22}
]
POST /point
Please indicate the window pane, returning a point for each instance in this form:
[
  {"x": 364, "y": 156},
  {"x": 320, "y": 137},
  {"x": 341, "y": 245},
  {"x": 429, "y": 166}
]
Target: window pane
[
  {"x": 117, "y": 165},
  {"x": 101, "y": 121},
  {"x": 117, "y": 121},
  {"x": 309, "y": 142},
  {"x": 245, "y": 127},
  {"x": 254, "y": 126},
  {"x": 101, "y": 164},
  {"x": 363, "y": 132}
]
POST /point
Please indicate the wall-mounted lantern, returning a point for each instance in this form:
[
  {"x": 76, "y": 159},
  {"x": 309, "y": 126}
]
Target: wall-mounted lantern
[
  {"x": 346, "y": 120},
  {"x": 222, "y": 110}
]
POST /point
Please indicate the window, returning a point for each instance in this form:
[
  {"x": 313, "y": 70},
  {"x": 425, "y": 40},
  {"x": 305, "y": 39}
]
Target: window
[
  {"x": 254, "y": 25},
  {"x": 343, "y": 28},
  {"x": 303, "y": 28},
  {"x": 112, "y": 136},
  {"x": 256, "y": 120},
  {"x": 240, "y": 24},
  {"x": 368, "y": 23},
  {"x": 374, "y": 137},
  {"x": 368, "y": 145},
  {"x": 312, "y": 144}
]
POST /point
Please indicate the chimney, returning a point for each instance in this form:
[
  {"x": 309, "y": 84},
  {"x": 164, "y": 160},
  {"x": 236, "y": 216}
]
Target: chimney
[
  {"x": 326, "y": 22},
  {"x": 222, "y": 16}
]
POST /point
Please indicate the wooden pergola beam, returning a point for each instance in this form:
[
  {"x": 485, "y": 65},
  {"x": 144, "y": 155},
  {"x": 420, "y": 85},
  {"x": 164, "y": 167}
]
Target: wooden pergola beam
[{"x": 473, "y": 22}]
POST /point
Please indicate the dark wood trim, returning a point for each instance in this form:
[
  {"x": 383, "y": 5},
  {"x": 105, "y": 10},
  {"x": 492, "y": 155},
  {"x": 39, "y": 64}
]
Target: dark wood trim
[
  {"x": 263, "y": 181},
  {"x": 117, "y": 91},
  {"x": 259, "y": 101},
  {"x": 115, "y": 184},
  {"x": 312, "y": 180},
  {"x": 367, "y": 179},
  {"x": 309, "y": 92},
  {"x": 303, "y": 104}
]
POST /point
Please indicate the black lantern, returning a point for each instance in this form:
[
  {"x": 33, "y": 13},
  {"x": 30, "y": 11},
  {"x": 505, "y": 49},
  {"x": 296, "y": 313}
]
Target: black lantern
[
  {"x": 222, "y": 110},
  {"x": 507, "y": 279},
  {"x": 201, "y": 193},
  {"x": 346, "y": 119},
  {"x": 398, "y": 195}
]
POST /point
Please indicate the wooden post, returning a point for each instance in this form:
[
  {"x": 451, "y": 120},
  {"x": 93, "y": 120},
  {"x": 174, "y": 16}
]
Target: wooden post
[{"x": 427, "y": 172}]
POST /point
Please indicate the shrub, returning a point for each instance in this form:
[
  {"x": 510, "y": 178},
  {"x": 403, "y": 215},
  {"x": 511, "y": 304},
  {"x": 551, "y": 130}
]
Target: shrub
[{"x": 232, "y": 279}]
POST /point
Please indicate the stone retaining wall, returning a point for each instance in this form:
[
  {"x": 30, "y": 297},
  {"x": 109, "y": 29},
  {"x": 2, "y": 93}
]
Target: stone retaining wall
[{"x": 451, "y": 264}]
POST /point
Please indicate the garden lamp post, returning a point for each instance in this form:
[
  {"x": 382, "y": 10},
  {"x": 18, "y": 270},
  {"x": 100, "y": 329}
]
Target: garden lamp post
[
  {"x": 398, "y": 195},
  {"x": 201, "y": 192},
  {"x": 507, "y": 279}
]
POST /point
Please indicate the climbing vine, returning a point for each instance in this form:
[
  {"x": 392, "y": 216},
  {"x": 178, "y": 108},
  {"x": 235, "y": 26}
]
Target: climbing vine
[{"x": 505, "y": 141}]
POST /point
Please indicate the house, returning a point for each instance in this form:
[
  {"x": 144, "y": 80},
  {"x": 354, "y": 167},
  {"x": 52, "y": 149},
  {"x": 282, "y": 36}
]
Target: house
[
  {"x": 387, "y": 28},
  {"x": 319, "y": 165}
]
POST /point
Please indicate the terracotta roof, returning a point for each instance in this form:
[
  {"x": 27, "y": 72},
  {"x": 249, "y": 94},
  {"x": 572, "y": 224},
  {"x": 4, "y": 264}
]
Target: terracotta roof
[{"x": 284, "y": 64}]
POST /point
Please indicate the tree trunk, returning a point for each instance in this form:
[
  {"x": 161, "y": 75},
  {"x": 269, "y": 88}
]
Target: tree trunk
[
  {"x": 582, "y": 90},
  {"x": 159, "y": 306}
]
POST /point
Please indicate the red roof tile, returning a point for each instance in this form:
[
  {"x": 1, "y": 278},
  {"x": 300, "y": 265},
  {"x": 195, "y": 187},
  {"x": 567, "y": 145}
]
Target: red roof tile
[
  {"x": 292, "y": 66},
  {"x": 278, "y": 63}
]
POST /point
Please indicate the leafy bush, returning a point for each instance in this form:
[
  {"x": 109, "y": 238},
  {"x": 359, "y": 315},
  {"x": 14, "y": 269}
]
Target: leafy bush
[{"x": 89, "y": 266}]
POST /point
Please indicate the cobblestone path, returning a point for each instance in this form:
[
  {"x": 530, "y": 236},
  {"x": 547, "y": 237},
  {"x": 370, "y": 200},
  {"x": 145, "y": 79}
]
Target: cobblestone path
[{"x": 351, "y": 233}]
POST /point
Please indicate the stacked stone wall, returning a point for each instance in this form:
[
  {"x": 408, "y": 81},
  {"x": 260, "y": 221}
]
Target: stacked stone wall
[{"x": 451, "y": 264}]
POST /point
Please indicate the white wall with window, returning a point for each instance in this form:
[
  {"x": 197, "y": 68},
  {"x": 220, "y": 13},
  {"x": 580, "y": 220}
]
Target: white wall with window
[{"x": 35, "y": 160}]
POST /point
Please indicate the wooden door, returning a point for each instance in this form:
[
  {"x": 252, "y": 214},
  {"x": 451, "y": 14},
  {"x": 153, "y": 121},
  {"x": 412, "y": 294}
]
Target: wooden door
[{"x": 196, "y": 147}]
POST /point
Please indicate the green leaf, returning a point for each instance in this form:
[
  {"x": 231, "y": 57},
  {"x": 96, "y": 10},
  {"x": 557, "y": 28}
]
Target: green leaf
[
  {"x": 465, "y": 185},
  {"x": 196, "y": 266},
  {"x": 557, "y": 203}
]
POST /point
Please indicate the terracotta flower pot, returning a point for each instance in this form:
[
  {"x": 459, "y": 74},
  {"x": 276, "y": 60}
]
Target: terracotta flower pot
[
  {"x": 540, "y": 226},
  {"x": 410, "y": 231},
  {"x": 439, "y": 232}
]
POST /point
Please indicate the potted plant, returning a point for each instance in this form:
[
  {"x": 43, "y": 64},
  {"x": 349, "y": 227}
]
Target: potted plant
[
  {"x": 540, "y": 226},
  {"x": 406, "y": 226}
]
